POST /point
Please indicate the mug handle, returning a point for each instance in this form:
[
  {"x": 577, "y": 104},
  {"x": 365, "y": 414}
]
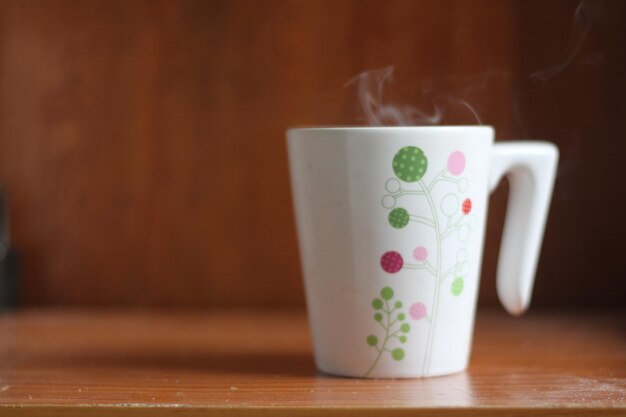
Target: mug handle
[{"x": 531, "y": 170}]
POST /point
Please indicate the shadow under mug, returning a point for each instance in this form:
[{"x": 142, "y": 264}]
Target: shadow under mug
[{"x": 391, "y": 223}]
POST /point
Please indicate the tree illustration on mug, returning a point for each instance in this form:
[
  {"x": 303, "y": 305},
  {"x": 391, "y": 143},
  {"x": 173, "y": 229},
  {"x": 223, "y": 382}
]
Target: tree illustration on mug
[
  {"x": 391, "y": 318},
  {"x": 449, "y": 217}
]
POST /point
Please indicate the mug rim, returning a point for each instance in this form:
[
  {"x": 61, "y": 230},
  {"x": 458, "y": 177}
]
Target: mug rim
[{"x": 395, "y": 128}]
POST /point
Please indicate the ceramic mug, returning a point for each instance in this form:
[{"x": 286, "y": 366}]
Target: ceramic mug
[{"x": 391, "y": 223}]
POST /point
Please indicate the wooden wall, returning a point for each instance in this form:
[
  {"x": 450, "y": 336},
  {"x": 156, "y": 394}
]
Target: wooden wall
[{"x": 142, "y": 142}]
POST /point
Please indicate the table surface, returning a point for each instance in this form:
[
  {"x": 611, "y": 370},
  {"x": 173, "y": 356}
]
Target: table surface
[{"x": 74, "y": 362}]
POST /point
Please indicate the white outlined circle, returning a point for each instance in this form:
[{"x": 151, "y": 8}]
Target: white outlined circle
[
  {"x": 392, "y": 185},
  {"x": 449, "y": 205},
  {"x": 463, "y": 233},
  {"x": 471, "y": 222},
  {"x": 389, "y": 201}
]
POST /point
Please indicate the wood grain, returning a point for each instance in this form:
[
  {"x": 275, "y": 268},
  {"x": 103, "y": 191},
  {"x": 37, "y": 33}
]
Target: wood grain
[
  {"x": 142, "y": 142},
  {"x": 79, "y": 362}
]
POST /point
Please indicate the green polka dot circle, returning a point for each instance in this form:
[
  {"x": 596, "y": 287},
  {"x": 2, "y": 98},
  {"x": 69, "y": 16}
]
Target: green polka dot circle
[
  {"x": 457, "y": 286},
  {"x": 410, "y": 164},
  {"x": 398, "y": 218}
]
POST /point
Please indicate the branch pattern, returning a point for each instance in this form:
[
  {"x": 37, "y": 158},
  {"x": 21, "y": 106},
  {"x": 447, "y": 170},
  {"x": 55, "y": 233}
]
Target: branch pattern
[
  {"x": 393, "y": 327},
  {"x": 450, "y": 218}
]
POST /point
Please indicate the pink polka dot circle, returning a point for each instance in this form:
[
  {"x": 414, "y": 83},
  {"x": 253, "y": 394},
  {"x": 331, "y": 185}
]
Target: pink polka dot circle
[
  {"x": 420, "y": 253},
  {"x": 417, "y": 311},
  {"x": 456, "y": 163}
]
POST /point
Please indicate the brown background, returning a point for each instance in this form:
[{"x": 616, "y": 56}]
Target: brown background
[{"x": 142, "y": 142}]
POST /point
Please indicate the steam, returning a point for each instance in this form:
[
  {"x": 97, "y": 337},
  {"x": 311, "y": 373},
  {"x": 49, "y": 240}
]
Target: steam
[
  {"x": 370, "y": 85},
  {"x": 587, "y": 12},
  {"x": 378, "y": 112},
  {"x": 438, "y": 100}
]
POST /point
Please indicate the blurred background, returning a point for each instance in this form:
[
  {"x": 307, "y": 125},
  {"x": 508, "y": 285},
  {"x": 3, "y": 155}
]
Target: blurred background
[{"x": 142, "y": 149}]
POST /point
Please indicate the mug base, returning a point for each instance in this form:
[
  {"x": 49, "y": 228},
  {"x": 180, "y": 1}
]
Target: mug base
[{"x": 408, "y": 374}]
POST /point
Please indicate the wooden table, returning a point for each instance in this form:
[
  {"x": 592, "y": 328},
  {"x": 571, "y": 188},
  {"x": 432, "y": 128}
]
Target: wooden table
[{"x": 73, "y": 362}]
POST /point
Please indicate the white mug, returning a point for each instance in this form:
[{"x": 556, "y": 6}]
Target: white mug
[{"x": 391, "y": 223}]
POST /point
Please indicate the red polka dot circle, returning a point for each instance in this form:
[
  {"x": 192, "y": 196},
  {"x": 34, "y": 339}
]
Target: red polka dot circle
[
  {"x": 467, "y": 206},
  {"x": 391, "y": 262}
]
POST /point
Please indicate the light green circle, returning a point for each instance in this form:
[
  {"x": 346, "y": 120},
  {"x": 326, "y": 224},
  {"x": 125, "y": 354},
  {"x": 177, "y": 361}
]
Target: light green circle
[
  {"x": 401, "y": 316},
  {"x": 397, "y": 354},
  {"x": 402, "y": 339},
  {"x": 398, "y": 218},
  {"x": 378, "y": 317},
  {"x": 372, "y": 340},
  {"x": 386, "y": 293},
  {"x": 405, "y": 328},
  {"x": 377, "y": 303},
  {"x": 457, "y": 286},
  {"x": 410, "y": 164},
  {"x": 398, "y": 304}
]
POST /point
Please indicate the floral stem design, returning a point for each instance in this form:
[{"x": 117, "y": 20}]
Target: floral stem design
[
  {"x": 435, "y": 306},
  {"x": 410, "y": 164},
  {"x": 394, "y": 328}
]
